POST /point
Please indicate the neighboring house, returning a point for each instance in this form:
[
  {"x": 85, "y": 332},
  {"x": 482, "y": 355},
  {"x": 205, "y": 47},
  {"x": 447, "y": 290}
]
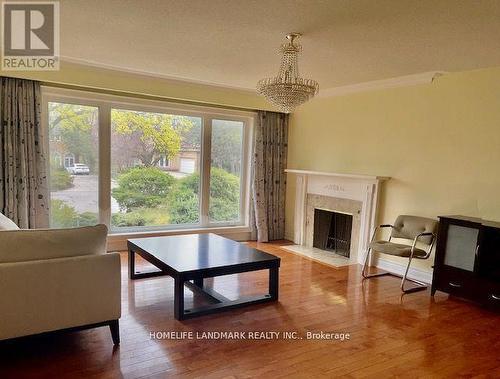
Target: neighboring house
[{"x": 187, "y": 162}]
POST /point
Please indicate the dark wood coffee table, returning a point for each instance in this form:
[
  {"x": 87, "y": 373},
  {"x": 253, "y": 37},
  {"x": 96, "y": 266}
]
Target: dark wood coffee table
[{"x": 191, "y": 258}]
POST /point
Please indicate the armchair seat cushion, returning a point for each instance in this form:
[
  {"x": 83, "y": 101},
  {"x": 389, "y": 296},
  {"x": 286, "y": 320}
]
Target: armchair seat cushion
[{"x": 396, "y": 249}]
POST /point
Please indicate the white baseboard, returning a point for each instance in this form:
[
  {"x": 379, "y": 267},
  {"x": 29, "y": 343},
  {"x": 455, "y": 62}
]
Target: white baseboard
[{"x": 399, "y": 269}]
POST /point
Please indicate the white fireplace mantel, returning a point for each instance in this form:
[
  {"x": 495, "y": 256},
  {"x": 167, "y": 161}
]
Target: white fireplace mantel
[
  {"x": 350, "y": 176},
  {"x": 363, "y": 188}
]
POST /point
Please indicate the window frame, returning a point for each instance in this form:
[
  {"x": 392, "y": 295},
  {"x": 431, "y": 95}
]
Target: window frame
[{"x": 106, "y": 102}]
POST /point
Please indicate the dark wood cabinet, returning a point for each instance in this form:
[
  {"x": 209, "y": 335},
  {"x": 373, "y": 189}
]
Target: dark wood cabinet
[{"x": 467, "y": 262}]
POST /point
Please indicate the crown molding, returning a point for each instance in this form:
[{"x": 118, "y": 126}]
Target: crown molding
[
  {"x": 180, "y": 80},
  {"x": 400, "y": 81}
]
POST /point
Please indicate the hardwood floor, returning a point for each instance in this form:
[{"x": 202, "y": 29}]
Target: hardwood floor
[{"x": 390, "y": 335}]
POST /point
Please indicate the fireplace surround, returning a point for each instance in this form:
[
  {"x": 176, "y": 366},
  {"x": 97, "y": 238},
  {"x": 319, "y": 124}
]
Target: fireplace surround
[{"x": 354, "y": 195}]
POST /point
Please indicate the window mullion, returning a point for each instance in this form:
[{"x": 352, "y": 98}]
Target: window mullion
[
  {"x": 105, "y": 164},
  {"x": 205, "y": 171}
]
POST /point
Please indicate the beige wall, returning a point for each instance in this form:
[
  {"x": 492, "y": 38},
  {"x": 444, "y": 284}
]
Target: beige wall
[
  {"x": 439, "y": 142},
  {"x": 111, "y": 80}
]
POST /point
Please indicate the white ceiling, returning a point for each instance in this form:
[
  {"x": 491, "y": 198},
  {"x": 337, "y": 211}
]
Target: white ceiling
[{"x": 235, "y": 42}]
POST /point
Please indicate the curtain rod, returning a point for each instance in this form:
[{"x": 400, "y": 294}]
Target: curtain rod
[{"x": 144, "y": 96}]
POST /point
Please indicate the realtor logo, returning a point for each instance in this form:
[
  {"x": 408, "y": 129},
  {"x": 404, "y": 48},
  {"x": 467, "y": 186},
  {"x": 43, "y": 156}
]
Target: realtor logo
[{"x": 30, "y": 36}]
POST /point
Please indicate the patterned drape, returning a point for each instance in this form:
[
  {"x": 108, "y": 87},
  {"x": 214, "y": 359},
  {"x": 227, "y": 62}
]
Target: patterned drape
[
  {"x": 269, "y": 179},
  {"x": 23, "y": 181}
]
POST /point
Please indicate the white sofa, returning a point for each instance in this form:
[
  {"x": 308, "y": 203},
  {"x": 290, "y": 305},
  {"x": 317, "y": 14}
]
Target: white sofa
[{"x": 55, "y": 279}]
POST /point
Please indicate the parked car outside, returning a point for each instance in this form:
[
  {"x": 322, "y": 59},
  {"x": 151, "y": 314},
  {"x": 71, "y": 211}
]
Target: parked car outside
[{"x": 79, "y": 169}]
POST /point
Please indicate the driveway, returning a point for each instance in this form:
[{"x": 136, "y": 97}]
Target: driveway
[{"x": 83, "y": 196}]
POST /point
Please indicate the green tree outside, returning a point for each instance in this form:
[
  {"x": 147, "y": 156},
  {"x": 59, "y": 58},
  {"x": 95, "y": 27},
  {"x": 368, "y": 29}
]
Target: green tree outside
[
  {"x": 75, "y": 128},
  {"x": 148, "y": 136}
]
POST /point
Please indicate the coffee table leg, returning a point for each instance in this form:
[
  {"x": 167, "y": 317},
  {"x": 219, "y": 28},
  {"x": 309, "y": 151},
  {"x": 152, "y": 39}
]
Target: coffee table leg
[
  {"x": 179, "y": 298},
  {"x": 274, "y": 282},
  {"x": 131, "y": 264},
  {"x": 198, "y": 282}
]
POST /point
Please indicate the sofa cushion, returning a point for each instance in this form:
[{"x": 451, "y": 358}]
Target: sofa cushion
[
  {"x": 7, "y": 224},
  {"x": 29, "y": 245}
]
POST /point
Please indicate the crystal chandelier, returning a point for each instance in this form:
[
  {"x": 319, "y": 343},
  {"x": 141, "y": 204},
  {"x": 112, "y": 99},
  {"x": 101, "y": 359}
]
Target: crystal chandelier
[{"x": 288, "y": 90}]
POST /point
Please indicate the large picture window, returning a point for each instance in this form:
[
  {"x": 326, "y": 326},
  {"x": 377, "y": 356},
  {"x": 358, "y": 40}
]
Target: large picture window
[{"x": 163, "y": 166}]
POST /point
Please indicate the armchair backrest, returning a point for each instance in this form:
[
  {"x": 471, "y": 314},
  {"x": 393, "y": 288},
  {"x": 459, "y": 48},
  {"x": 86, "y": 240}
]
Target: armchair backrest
[{"x": 408, "y": 227}]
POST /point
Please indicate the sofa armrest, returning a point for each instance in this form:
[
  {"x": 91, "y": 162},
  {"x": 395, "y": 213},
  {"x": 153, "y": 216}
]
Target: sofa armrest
[{"x": 45, "y": 295}]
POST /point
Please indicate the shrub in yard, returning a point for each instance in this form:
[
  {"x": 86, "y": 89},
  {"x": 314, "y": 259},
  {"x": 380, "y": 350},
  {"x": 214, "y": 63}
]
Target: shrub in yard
[
  {"x": 224, "y": 198},
  {"x": 190, "y": 183},
  {"x": 129, "y": 219},
  {"x": 224, "y": 195},
  {"x": 184, "y": 204},
  {"x": 60, "y": 179},
  {"x": 62, "y": 215},
  {"x": 87, "y": 219},
  {"x": 142, "y": 187},
  {"x": 224, "y": 185},
  {"x": 222, "y": 210}
]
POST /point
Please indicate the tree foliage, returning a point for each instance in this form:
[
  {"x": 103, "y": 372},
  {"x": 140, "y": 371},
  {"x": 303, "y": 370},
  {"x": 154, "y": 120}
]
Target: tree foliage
[
  {"x": 148, "y": 136},
  {"x": 227, "y": 137},
  {"x": 76, "y": 127},
  {"x": 142, "y": 136}
]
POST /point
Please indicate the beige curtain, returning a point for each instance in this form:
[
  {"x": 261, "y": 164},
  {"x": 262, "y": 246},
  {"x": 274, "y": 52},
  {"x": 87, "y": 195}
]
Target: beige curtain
[
  {"x": 269, "y": 179},
  {"x": 23, "y": 181}
]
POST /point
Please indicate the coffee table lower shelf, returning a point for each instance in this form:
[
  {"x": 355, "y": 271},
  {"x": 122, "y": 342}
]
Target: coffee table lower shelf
[{"x": 195, "y": 282}]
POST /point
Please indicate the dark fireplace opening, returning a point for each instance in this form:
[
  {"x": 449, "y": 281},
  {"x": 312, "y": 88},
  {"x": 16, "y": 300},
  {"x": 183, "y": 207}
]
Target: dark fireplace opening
[{"x": 332, "y": 231}]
